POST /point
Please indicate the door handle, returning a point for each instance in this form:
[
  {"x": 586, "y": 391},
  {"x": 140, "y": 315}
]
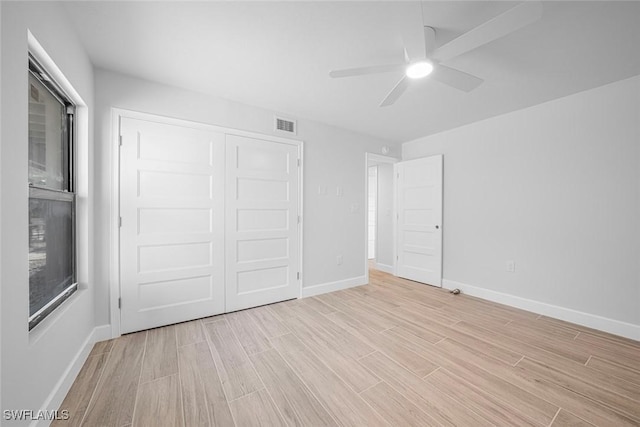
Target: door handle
[{"x": 437, "y": 227}]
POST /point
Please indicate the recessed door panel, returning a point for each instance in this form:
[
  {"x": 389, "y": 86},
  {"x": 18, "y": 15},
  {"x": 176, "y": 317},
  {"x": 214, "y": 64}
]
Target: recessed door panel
[
  {"x": 262, "y": 279},
  {"x": 154, "y": 258},
  {"x": 262, "y": 219},
  {"x": 175, "y": 145},
  {"x": 174, "y": 185},
  {"x": 171, "y": 294},
  {"x": 262, "y": 249},
  {"x": 261, "y": 189},
  {"x": 258, "y": 156},
  {"x": 175, "y": 220}
]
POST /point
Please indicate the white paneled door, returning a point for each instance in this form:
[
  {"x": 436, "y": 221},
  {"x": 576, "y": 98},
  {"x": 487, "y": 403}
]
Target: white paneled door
[
  {"x": 172, "y": 213},
  {"x": 209, "y": 221},
  {"x": 419, "y": 226},
  {"x": 262, "y": 253}
]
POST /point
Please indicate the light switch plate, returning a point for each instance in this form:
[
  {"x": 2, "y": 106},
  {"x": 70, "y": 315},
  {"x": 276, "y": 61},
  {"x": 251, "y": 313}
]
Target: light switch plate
[{"x": 511, "y": 266}]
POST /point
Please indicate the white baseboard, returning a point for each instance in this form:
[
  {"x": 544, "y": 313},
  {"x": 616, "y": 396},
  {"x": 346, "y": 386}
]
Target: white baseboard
[
  {"x": 102, "y": 333},
  {"x": 384, "y": 268},
  {"x": 605, "y": 324},
  {"x": 57, "y": 395},
  {"x": 323, "y": 288}
]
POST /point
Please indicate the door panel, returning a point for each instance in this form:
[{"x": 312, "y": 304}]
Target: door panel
[
  {"x": 262, "y": 222},
  {"x": 172, "y": 233},
  {"x": 419, "y": 226}
]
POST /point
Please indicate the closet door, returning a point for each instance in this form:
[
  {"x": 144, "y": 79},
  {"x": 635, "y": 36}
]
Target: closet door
[
  {"x": 172, "y": 213},
  {"x": 262, "y": 229}
]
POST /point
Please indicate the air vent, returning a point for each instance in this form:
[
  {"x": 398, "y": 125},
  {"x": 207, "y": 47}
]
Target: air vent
[{"x": 285, "y": 125}]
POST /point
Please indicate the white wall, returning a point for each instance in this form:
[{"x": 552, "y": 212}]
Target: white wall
[
  {"x": 34, "y": 365},
  {"x": 332, "y": 157},
  {"x": 556, "y": 188},
  {"x": 384, "y": 258}
]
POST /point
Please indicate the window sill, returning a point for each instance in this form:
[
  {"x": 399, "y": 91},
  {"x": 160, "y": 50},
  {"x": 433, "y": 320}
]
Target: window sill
[{"x": 42, "y": 328}]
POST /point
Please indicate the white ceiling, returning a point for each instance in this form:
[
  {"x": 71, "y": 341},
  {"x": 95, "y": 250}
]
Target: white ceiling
[{"x": 277, "y": 55}]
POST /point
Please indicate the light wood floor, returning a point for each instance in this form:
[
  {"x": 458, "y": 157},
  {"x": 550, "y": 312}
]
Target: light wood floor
[{"x": 391, "y": 353}]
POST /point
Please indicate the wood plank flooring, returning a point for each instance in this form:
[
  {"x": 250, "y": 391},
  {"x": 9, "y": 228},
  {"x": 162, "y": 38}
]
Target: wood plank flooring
[{"x": 393, "y": 352}]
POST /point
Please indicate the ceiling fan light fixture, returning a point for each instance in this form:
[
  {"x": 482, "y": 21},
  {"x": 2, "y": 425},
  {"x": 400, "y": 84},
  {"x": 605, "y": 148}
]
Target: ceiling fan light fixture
[{"x": 418, "y": 70}]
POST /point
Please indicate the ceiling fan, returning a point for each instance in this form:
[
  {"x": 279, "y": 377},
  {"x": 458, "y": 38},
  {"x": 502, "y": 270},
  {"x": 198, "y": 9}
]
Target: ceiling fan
[{"x": 431, "y": 63}]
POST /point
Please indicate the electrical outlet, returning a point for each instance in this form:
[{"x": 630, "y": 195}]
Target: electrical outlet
[
  {"x": 339, "y": 260},
  {"x": 339, "y": 191},
  {"x": 511, "y": 267},
  {"x": 322, "y": 190}
]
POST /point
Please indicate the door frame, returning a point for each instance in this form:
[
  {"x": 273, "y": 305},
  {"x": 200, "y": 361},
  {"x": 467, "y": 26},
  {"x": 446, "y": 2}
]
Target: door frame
[
  {"x": 378, "y": 158},
  {"x": 114, "y": 213}
]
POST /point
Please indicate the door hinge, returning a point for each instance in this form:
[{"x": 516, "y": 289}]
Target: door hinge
[
  {"x": 298, "y": 162},
  {"x": 120, "y": 140},
  {"x": 119, "y": 302},
  {"x": 298, "y": 275},
  {"x": 119, "y": 221},
  {"x": 299, "y": 219}
]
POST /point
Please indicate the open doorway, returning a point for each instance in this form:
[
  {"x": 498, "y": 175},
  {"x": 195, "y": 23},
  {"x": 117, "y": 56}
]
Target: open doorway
[{"x": 380, "y": 205}]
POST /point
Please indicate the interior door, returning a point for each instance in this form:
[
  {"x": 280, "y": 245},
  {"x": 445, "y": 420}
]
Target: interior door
[
  {"x": 172, "y": 223},
  {"x": 262, "y": 222},
  {"x": 419, "y": 220}
]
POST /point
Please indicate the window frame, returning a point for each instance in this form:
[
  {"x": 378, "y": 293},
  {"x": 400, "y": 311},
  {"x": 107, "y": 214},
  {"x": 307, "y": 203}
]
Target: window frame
[{"x": 67, "y": 195}]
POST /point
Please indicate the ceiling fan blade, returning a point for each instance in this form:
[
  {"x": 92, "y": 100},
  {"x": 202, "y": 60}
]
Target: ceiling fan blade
[
  {"x": 412, "y": 32},
  {"x": 456, "y": 78},
  {"x": 396, "y": 92},
  {"x": 429, "y": 40},
  {"x": 506, "y": 23},
  {"x": 361, "y": 71}
]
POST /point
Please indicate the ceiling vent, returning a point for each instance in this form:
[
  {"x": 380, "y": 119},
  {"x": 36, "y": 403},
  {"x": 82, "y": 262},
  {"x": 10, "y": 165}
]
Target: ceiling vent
[{"x": 285, "y": 125}]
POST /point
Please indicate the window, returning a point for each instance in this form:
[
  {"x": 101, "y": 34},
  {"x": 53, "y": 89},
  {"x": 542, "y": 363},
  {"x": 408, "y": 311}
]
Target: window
[{"x": 52, "y": 266}]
